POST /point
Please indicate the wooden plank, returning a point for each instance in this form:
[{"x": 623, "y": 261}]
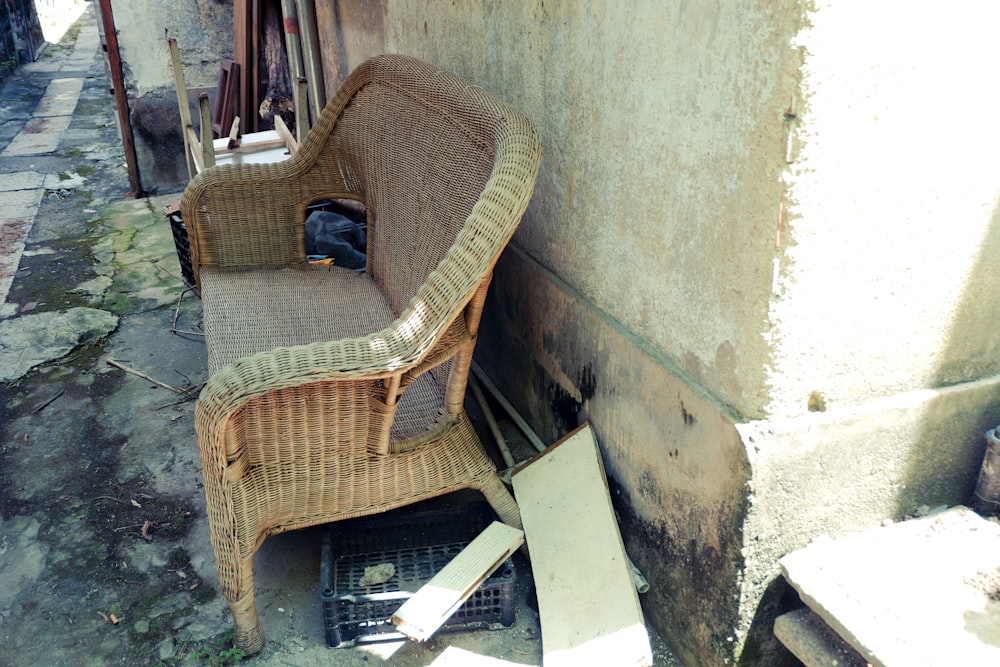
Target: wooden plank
[
  {"x": 286, "y": 135},
  {"x": 439, "y": 598},
  {"x": 916, "y": 593},
  {"x": 194, "y": 149},
  {"x": 182, "y": 104},
  {"x": 227, "y": 93},
  {"x": 207, "y": 145},
  {"x": 588, "y": 605},
  {"x": 251, "y": 143}
]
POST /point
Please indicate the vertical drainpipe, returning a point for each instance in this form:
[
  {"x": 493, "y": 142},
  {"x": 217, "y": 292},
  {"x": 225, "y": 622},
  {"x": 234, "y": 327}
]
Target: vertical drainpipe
[
  {"x": 121, "y": 100},
  {"x": 294, "y": 48},
  {"x": 311, "y": 56}
]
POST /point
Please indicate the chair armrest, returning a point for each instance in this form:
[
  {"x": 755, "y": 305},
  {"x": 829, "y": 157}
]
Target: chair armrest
[{"x": 253, "y": 215}]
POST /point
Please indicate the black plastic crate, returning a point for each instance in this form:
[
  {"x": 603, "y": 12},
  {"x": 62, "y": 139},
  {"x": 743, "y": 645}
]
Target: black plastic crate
[
  {"x": 419, "y": 545},
  {"x": 181, "y": 243}
]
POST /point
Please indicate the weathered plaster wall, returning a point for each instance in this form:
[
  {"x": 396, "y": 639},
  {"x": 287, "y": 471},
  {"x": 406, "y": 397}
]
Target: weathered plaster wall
[
  {"x": 747, "y": 211},
  {"x": 636, "y": 292},
  {"x": 885, "y": 287},
  {"x": 204, "y": 33},
  {"x": 203, "y": 30}
]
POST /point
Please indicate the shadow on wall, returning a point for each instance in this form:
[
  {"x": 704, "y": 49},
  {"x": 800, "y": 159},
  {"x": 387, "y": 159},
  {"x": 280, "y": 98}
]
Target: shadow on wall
[{"x": 948, "y": 452}]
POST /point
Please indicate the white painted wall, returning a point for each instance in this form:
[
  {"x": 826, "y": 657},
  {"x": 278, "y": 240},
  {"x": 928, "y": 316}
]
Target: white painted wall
[{"x": 886, "y": 283}]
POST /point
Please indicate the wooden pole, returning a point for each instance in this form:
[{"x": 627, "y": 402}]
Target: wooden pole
[
  {"x": 182, "y": 103},
  {"x": 121, "y": 100}
]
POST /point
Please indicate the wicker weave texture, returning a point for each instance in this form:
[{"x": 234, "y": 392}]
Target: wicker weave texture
[{"x": 332, "y": 394}]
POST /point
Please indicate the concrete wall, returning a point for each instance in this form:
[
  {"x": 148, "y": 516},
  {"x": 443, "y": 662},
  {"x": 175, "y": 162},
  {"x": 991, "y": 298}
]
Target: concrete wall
[
  {"x": 887, "y": 199},
  {"x": 204, "y": 33}
]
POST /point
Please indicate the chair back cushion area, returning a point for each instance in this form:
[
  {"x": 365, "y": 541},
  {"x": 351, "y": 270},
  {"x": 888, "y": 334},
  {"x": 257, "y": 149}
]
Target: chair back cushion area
[{"x": 421, "y": 146}]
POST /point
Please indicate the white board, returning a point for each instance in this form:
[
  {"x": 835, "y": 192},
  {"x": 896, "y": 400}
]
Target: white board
[
  {"x": 436, "y": 601},
  {"x": 587, "y": 602}
]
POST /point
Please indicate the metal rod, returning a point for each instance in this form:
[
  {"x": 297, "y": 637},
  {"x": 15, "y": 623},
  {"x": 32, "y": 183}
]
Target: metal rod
[
  {"x": 311, "y": 56},
  {"x": 532, "y": 437},
  {"x": 477, "y": 391}
]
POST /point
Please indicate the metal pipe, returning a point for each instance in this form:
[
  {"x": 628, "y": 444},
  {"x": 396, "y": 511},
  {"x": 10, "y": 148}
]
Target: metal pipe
[
  {"x": 640, "y": 581},
  {"x": 532, "y": 437},
  {"x": 508, "y": 459},
  {"x": 294, "y": 48},
  {"x": 301, "y": 110},
  {"x": 311, "y": 56}
]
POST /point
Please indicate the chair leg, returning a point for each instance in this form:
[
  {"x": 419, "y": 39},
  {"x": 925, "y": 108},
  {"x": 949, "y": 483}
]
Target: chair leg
[
  {"x": 501, "y": 501},
  {"x": 248, "y": 635}
]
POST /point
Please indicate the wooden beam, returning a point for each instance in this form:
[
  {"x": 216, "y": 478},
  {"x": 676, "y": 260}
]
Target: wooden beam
[
  {"x": 439, "y": 598},
  {"x": 206, "y": 144},
  {"x": 587, "y": 603}
]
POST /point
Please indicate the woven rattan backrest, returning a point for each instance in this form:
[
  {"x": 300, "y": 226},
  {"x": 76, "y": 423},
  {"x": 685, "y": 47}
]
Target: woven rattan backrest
[{"x": 422, "y": 145}]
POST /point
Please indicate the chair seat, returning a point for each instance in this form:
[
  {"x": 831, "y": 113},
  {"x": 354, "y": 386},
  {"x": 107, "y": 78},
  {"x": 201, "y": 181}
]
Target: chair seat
[{"x": 246, "y": 312}]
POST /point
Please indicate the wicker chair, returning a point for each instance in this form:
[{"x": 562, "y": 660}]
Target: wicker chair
[{"x": 335, "y": 394}]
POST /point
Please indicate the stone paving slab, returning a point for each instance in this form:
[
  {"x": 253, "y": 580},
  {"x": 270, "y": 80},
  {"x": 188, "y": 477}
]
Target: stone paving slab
[
  {"x": 42, "y": 66},
  {"x": 60, "y": 98},
  {"x": 34, "y": 339},
  {"x": 21, "y": 180},
  {"x": 919, "y": 593},
  {"x": 40, "y": 135},
  {"x": 12, "y": 236},
  {"x": 20, "y": 204}
]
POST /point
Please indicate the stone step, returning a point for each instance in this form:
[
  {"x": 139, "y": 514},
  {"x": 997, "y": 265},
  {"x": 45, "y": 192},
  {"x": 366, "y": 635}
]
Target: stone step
[{"x": 924, "y": 592}]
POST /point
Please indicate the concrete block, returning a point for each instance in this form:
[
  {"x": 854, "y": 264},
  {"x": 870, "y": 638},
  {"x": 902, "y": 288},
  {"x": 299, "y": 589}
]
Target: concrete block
[{"x": 924, "y": 592}]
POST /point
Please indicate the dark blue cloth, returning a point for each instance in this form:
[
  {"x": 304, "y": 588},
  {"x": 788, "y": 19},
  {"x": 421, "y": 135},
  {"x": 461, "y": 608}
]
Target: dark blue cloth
[{"x": 333, "y": 235}]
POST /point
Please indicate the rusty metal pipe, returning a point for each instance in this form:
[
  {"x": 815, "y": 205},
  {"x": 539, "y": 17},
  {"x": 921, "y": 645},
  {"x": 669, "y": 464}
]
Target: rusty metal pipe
[{"x": 293, "y": 45}]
